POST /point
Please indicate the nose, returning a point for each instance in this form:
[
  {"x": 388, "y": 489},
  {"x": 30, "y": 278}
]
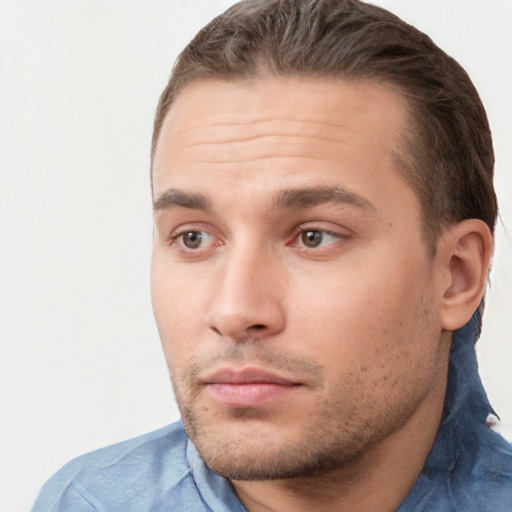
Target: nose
[{"x": 247, "y": 301}]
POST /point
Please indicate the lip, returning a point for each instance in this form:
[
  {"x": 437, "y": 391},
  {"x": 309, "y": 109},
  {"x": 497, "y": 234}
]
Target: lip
[{"x": 247, "y": 387}]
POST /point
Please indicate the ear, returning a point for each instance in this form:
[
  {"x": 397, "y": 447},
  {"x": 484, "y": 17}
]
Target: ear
[{"x": 464, "y": 253}]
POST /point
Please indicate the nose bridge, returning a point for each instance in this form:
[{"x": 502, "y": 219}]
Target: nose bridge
[{"x": 247, "y": 300}]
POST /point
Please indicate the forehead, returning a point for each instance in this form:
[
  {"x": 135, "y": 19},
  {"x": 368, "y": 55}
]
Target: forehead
[{"x": 263, "y": 128}]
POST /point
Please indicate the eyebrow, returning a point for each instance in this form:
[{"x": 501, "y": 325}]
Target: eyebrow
[
  {"x": 308, "y": 197},
  {"x": 173, "y": 198},
  {"x": 294, "y": 198}
]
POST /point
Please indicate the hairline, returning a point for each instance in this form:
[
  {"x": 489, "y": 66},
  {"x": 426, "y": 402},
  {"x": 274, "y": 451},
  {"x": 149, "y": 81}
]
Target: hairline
[{"x": 403, "y": 153}]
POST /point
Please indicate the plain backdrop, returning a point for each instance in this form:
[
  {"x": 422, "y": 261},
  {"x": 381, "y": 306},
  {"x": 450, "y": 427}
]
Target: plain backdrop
[{"x": 80, "y": 361}]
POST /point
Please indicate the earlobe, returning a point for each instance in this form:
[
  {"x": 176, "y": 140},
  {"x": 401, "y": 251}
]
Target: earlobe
[{"x": 465, "y": 252}]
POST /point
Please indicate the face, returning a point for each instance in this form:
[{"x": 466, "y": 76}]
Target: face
[{"x": 294, "y": 294}]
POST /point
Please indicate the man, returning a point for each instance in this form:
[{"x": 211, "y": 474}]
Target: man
[{"x": 324, "y": 210}]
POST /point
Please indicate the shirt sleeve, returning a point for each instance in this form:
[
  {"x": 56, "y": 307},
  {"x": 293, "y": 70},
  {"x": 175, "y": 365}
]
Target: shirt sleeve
[{"x": 62, "y": 494}]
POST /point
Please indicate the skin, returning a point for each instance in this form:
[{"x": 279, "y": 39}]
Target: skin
[{"x": 305, "y": 258}]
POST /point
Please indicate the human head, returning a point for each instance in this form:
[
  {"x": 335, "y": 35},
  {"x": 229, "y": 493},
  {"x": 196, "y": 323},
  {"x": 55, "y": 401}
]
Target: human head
[
  {"x": 360, "y": 327},
  {"x": 447, "y": 159},
  {"x": 286, "y": 241}
]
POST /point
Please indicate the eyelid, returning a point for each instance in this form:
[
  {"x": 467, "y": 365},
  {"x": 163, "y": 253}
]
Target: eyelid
[
  {"x": 324, "y": 227},
  {"x": 180, "y": 231},
  {"x": 187, "y": 227},
  {"x": 339, "y": 234}
]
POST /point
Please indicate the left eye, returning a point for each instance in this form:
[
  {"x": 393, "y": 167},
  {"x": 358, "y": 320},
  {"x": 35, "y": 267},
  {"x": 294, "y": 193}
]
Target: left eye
[{"x": 313, "y": 238}]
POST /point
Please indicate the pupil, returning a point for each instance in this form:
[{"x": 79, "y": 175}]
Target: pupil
[
  {"x": 312, "y": 238},
  {"x": 192, "y": 239}
]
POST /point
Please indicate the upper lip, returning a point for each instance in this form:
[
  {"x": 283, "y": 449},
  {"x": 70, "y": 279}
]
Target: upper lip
[{"x": 246, "y": 375}]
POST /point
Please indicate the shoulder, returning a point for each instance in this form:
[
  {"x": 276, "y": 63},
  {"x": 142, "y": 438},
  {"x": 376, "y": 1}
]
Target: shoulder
[
  {"x": 482, "y": 473},
  {"x": 484, "y": 480},
  {"x": 491, "y": 472},
  {"x": 133, "y": 475},
  {"x": 474, "y": 477}
]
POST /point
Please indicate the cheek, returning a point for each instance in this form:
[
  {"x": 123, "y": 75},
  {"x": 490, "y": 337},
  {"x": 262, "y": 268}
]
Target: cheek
[
  {"x": 365, "y": 321},
  {"x": 176, "y": 313}
]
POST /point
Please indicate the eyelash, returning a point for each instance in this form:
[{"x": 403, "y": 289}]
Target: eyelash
[
  {"x": 297, "y": 240},
  {"x": 175, "y": 238},
  {"x": 323, "y": 232}
]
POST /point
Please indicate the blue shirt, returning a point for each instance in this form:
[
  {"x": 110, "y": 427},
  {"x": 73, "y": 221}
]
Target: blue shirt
[{"x": 468, "y": 470}]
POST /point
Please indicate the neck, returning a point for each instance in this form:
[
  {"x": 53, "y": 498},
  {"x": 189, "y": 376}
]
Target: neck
[{"x": 377, "y": 481}]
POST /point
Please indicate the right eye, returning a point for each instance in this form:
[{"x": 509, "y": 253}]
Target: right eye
[{"x": 191, "y": 239}]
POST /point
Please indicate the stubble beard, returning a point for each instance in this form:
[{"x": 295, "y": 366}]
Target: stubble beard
[
  {"x": 338, "y": 434},
  {"x": 320, "y": 450}
]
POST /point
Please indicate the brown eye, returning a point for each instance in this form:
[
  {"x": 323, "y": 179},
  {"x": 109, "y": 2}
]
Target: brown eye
[
  {"x": 192, "y": 239},
  {"x": 312, "y": 238}
]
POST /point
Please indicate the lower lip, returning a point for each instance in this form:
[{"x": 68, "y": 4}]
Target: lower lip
[{"x": 249, "y": 395}]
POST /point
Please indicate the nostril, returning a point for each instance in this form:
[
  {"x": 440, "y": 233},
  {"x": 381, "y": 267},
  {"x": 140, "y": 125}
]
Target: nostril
[{"x": 258, "y": 327}]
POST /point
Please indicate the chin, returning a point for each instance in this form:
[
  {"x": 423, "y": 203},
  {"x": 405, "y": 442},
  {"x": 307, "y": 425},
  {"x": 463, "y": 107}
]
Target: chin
[{"x": 255, "y": 450}]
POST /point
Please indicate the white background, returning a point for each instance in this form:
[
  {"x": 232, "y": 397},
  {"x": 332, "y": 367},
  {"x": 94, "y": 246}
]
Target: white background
[{"x": 80, "y": 361}]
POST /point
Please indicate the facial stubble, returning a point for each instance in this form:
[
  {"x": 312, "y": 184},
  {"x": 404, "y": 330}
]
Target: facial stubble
[{"x": 254, "y": 446}]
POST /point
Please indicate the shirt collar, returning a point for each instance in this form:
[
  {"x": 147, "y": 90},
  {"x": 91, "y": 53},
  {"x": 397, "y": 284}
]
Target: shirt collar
[{"x": 466, "y": 405}]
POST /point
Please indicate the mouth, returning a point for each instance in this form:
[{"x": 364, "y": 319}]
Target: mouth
[{"x": 247, "y": 387}]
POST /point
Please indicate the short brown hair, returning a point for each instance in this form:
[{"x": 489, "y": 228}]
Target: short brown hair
[{"x": 449, "y": 156}]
